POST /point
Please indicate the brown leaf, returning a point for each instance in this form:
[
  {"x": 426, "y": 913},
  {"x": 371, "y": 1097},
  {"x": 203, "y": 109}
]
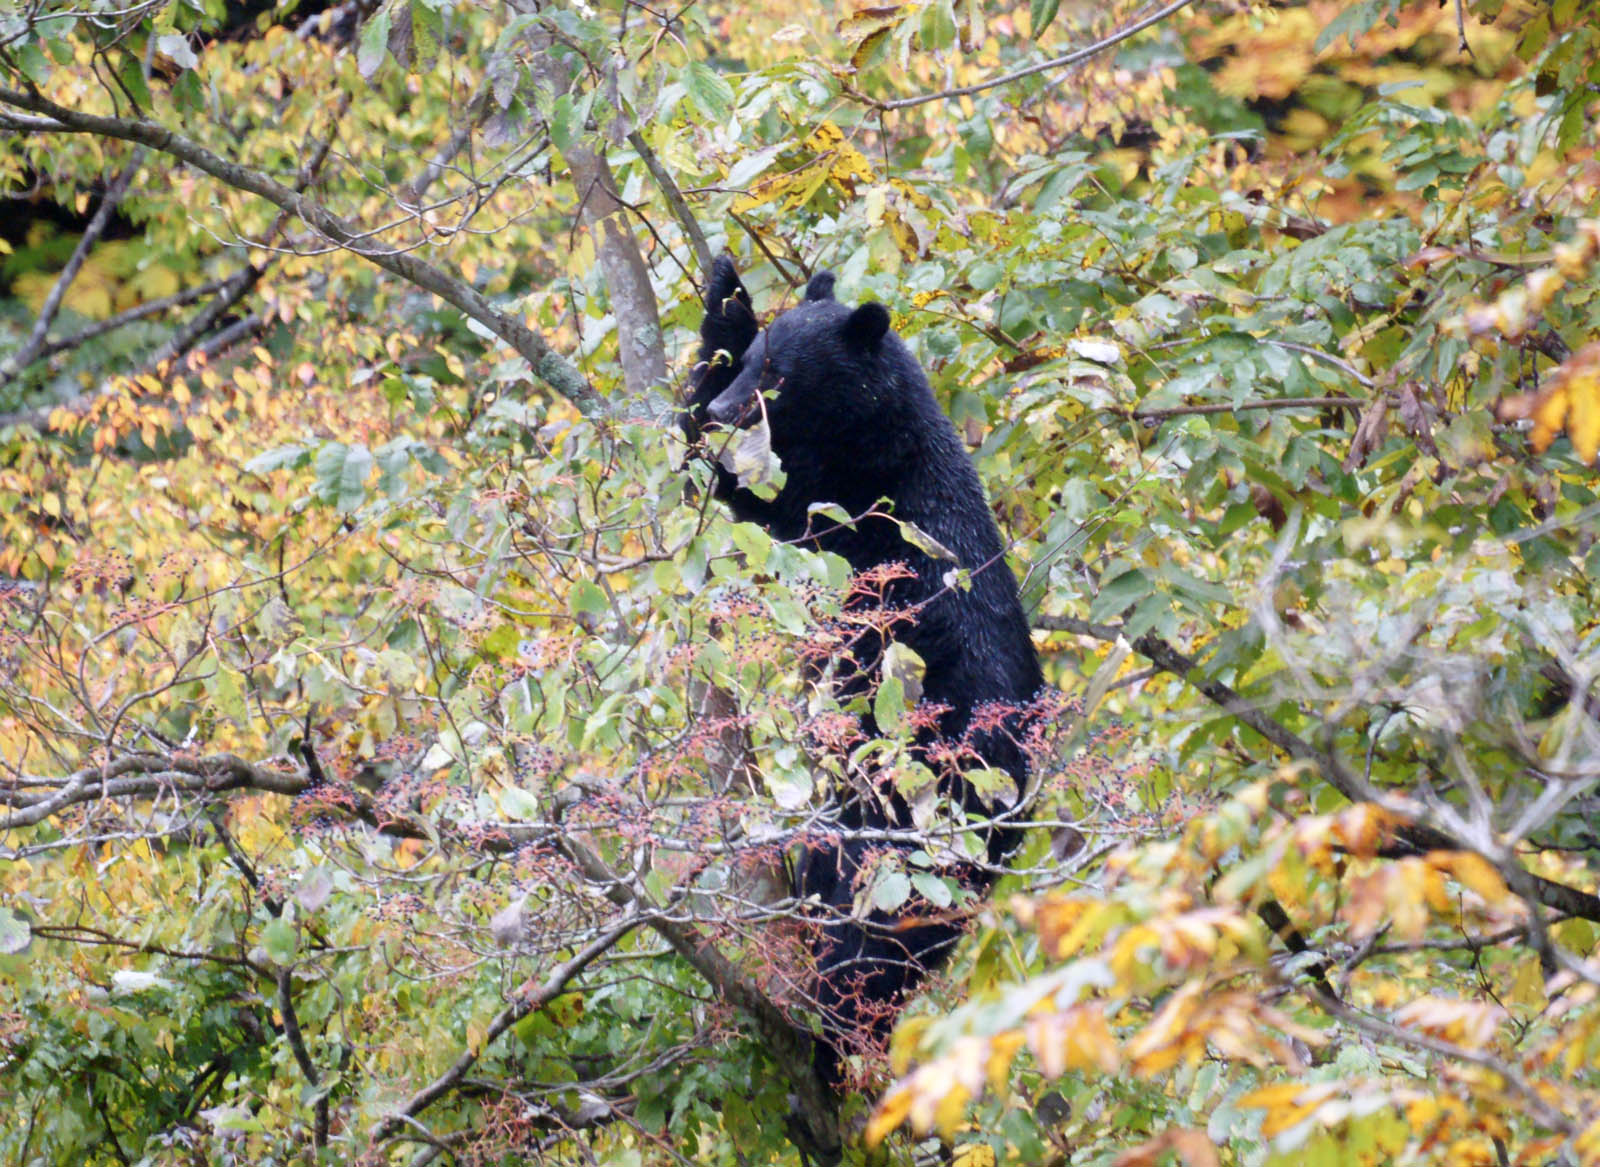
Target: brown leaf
[
  {"x": 1369, "y": 435},
  {"x": 1415, "y": 414},
  {"x": 1193, "y": 1147}
]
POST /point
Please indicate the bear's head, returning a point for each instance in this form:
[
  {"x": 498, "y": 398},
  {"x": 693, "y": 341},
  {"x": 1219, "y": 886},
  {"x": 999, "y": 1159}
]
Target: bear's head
[{"x": 820, "y": 362}]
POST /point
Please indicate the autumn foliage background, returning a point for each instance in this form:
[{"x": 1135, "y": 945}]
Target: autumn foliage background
[{"x": 399, "y": 748}]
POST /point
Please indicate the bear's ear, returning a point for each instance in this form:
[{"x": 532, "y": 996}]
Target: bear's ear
[
  {"x": 866, "y": 325},
  {"x": 820, "y": 287},
  {"x": 724, "y": 285}
]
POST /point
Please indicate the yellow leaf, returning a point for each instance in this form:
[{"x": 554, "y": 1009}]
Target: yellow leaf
[
  {"x": 1568, "y": 399},
  {"x": 904, "y": 1042},
  {"x": 1002, "y": 1051},
  {"x": 1473, "y": 871},
  {"x": 891, "y": 1112},
  {"x": 973, "y": 1155}
]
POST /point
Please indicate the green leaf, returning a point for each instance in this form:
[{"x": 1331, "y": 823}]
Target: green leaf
[
  {"x": 427, "y": 30},
  {"x": 1118, "y": 593},
  {"x": 707, "y": 89},
  {"x": 278, "y": 458},
  {"x": 754, "y": 542},
  {"x": 925, "y": 542},
  {"x": 889, "y": 706},
  {"x": 1040, "y": 14},
  {"x": 518, "y": 804},
  {"x": 33, "y": 63},
  {"x": 341, "y": 472},
  {"x": 15, "y": 934},
  {"x": 280, "y": 940},
  {"x": 933, "y": 889},
  {"x": 373, "y": 43},
  {"x": 890, "y": 891},
  {"x": 938, "y": 27},
  {"x": 901, "y": 663},
  {"x": 587, "y": 599}
]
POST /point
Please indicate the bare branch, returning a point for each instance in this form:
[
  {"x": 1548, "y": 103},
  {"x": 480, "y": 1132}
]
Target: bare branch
[
  {"x": 547, "y": 364},
  {"x": 790, "y": 1047},
  {"x": 530, "y": 1001},
  {"x": 31, "y": 348},
  {"x": 131, "y": 316},
  {"x": 1077, "y": 56},
  {"x": 1414, "y": 838},
  {"x": 674, "y": 196},
  {"x": 1223, "y": 407},
  {"x": 297, "y": 1045}
]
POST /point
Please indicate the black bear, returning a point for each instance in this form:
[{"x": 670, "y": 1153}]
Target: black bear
[{"x": 853, "y": 421}]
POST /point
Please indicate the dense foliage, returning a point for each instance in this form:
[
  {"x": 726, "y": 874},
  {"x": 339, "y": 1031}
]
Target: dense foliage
[{"x": 400, "y": 750}]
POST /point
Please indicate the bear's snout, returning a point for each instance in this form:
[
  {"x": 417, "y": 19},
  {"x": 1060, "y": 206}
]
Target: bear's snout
[{"x": 728, "y": 408}]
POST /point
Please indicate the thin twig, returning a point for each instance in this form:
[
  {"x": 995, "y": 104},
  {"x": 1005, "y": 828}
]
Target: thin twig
[
  {"x": 547, "y": 364},
  {"x": 1242, "y": 407},
  {"x": 675, "y": 200},
  {"x": 528, "y": 1002},
  {"x": 29, "y": 352},
  {"x": 1414, "y": 838},
  {"x": 131, "y": 316},
  {"x": 1073, "y": 58}
]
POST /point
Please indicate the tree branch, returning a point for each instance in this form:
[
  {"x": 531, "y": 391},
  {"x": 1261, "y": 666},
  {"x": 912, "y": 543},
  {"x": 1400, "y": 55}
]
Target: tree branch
[
  {"x": 547, "y": 364},
  {"x": 790, "y": 1047},
  {"x": 675, "y": 200},
  {"x": 30, "y": 350},
  {"x": 1223, "y": 407},
  {"x": 1073, "y": 58},
  {"x": 131, "y": 316},
  {"x": 1415, "y": 838},
  {"x": 297, "y": 1045},
  {"x": 529, "y": 1002}
]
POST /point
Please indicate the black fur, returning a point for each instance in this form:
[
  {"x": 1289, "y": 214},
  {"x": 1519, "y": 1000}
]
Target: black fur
[{"x": 853, "y": 420}]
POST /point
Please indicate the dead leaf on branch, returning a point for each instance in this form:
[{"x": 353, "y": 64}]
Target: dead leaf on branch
[
  {"x": 1193, "y": 1148},
  {"x": 1568, "y": 400}
]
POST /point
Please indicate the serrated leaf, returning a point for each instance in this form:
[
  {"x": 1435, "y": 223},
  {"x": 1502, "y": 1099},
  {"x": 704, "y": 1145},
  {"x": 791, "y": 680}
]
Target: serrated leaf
[
  {"x": 707, "y": 89},
  {"x": 341, "y": 472}
]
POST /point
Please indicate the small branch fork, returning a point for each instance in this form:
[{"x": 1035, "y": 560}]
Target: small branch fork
[
  {"x": 147, "y": 774},
  {"x": 1076, "y": 57},
  {"x": 34, "y": 345},
  {"x": 1415, "y": 838},
  {"x": 547, "y": 364}
]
